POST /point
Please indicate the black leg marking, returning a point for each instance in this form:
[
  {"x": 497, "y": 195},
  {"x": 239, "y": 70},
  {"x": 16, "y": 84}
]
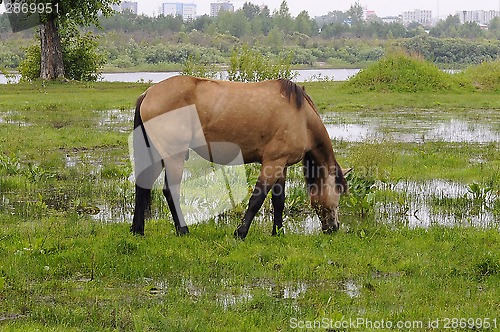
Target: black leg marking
[
  {"x": 278, "y": 200},
  {"x": 180, "y": 229},
  {"x": 259, "y": 195}
]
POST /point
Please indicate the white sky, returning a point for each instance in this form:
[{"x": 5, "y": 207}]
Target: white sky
[{"x": 321, "y": 7}]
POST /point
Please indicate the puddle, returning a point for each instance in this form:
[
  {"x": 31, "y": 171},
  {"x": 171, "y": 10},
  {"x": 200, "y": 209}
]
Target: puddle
[
  {"x": 228, "y": 295},
  {"x": 116, "y": 119},
  {"x": 415, "y": 207},
  {"x": 352, "y": 289},
  {"x": 410, "y": 127},
  {"x": 92, "y": 163}
]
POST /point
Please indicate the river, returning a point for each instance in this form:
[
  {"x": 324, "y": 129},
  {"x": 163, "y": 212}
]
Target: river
[{"x": 154, "y": 77}]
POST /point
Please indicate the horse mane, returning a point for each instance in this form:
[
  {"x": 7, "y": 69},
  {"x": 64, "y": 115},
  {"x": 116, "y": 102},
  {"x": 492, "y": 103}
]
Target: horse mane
[{"x": 290, "y": 89}]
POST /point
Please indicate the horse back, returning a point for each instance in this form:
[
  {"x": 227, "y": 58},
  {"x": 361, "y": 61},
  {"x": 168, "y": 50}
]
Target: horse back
[{"x": 261, "y": 118}]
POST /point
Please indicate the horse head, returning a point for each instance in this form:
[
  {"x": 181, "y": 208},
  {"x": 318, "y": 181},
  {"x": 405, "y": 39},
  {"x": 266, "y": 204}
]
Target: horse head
[{"x": 325, "y": 191}]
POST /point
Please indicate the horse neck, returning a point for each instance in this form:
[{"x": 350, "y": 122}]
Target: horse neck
[
  {"x": 321, "y": 151},
  {"x": 319, "y": 161}
]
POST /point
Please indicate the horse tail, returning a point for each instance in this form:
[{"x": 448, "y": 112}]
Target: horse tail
[
  {"x": 143, "y": 172},
  {"x": 137, "y": 117}
]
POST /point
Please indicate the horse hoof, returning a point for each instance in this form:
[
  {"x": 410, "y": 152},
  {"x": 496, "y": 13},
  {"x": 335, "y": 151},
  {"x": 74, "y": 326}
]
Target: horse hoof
[
  {"x": 240, "y": 233},
  {"x": 279, "y": 232},
  {"x": 182, "y": 231},
  {"x": 136, "y": 231}
]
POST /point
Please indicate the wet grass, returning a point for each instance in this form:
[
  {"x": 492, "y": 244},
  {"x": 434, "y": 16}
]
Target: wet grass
[
  {"x": 75, "y": 274},
  {"x": 68, "y": 265}
]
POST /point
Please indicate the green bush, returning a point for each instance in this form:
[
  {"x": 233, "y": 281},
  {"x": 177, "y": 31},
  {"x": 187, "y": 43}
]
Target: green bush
[
  {"x": 400, "y": 72},
  {"x": 29, "y": 67},
  {"x": 82, "y": 62},
  {"x": 247, "y": 65}
]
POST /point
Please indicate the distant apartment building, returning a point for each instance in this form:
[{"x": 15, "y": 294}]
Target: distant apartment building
[
  {"x": 126, "y": 6},
  {"x": 481, "y": 17},
  {"x": 215, "y": 8},
  {"x": 392, "y": 19},
  {"x": 423, "y": 17},
  {"x": 186, "y": 10}
]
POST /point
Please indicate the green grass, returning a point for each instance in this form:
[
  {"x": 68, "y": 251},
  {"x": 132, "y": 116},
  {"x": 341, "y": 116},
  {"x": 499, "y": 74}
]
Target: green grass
[
  {"x": 76, "y": 274},
  {"x": 63, "y": 271}
]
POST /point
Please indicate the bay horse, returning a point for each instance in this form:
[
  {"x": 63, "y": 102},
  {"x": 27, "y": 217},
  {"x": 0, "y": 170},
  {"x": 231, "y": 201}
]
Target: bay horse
[{"x": 274, "y": 123}]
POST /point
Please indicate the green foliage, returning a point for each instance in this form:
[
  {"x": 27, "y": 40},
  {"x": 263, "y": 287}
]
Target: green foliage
[
  {"x": 195, "y": 67},
  {"x": 82, "y": 61},
  {"x": 399, "y": 72},
  {"x": 452, "y": 51},
  {"x": 361, "y": 195},
  {"x": 81, "y": 12},
  {"x": 484, "y": 77},
  {"x": 247, "y": 65},
  {"x": 29, "y": 67}
]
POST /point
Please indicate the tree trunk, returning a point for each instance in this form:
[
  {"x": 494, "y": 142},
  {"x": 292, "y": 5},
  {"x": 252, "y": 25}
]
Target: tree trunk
[{"x": 52, "y": 66}]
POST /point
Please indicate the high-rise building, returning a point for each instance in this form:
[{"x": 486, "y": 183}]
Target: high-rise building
[
  {"x": 216, "y": 7},
  {"x": 130, "y": 6},
  {"x": 186, "y": 10},
  {"x": 481, "y": 17},
  {"x": 423, "y": 17}
]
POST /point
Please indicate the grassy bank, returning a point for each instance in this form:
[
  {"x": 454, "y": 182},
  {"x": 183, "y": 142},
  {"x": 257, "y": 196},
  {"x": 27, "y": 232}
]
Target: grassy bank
[{"x": 64, "y": 157}]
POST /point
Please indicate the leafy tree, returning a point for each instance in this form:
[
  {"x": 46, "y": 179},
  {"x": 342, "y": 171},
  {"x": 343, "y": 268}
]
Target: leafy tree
[
  {"x": 78, "y": 12},
  {"x": 304, "y": 24},
  {"x": 355, "y": 14},
  {"x": 447, "y": 28},
  {"x": 251, "y": 11},
  {"x": 283, "y": 18},
  {"x": 494, "y": 27}
]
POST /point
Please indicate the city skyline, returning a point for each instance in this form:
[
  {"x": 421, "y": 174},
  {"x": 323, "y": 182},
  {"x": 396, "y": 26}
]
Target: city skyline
[
  {"x": 443, "y": 8},
  {"x": 382, "y": 8}
]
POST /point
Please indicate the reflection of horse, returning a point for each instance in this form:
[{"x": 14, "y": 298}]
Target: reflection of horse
[{"x": 274, "y": 123}]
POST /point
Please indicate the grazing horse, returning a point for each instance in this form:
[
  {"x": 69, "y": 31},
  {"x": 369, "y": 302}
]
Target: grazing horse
[{"x": 274, "y": 123}]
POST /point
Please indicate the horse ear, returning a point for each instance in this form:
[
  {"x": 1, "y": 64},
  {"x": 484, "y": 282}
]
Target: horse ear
[
  {"x": 347, "y": 171},
  {"x": 304, "y": 88}
]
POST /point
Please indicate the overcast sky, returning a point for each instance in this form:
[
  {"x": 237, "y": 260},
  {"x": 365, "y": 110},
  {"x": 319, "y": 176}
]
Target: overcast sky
[{"x": 320, "y": 7}]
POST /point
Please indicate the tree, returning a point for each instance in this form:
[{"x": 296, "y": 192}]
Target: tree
[
  {"x": 304, "y": 24},
  {"x": 494, "y": 27},
  {"x": 283, "y": 18},
  {"x": 67, "y": 12},
  {"x": 250, "y": 10}
]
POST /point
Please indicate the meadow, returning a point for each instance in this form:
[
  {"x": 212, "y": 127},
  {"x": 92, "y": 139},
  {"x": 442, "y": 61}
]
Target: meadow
[{"x": 69, "y": 262}]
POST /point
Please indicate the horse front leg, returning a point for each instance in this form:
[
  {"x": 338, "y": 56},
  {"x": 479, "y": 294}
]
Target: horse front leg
[
  {"x": 269, "y": 174},
  {"x": 278, "y": 200}
]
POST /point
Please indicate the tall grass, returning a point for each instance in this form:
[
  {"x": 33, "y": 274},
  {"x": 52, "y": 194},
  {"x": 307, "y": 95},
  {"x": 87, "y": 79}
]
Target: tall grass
[{"x": 483, "y": 77}]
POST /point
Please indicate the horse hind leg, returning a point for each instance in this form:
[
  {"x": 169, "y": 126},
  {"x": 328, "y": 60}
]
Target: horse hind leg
[
  {"x": 143, "y": 184},
  {"x": 171, "y": 191}
]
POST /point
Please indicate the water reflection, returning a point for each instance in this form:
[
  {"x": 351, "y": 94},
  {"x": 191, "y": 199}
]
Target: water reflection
[{"x": 405, "y": 126}]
